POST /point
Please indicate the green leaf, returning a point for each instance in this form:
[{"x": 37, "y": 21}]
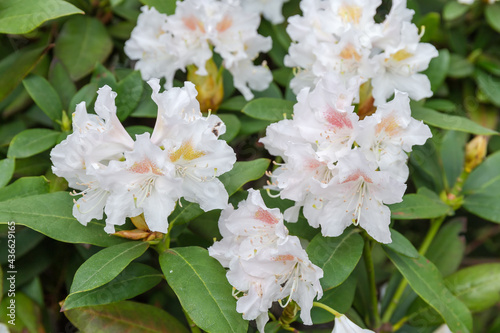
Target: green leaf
[
  {"x": 489, "y": 85},
  {"x": 441, "y": 105},
  {"x": 129, "y": 92},
  {"x": 427, "y": 282},
  {"x": 82, "y": 42},
  {"x": 44, "y": 96},
  {"x": 336, "y": 256},
  {"x": 460, "y": 67},
  {"x": 51, "y": 215},
  {"x": 201, "y": 285},
  {"x": 450, "y": 122},
  {"x": 489, "y": 63},
  {"x": 25, "y": 187},
  {"x": 438, "y": 68},
  {"x": 478, "y": 287},
  {"x": 453, "y": 10},
  {"x": 163, "y": 6},
  {"x": 233, "y": 126},
  {"x": 418, "y": 206},
  {"x": 105, "y": 265},
  {"x": 242, "y": 173},
  {"x": 61, "y": 81},
  {"x": 492, "y": 14},
  {"x": 236, "y": 103},
  {"x": 138, "y": 129},
  {"x": 447, "y": 248},
  {"x": 482, "y": 189},
  {"x": 452, "y": 153},
  {"x": 31, "y": 142},
  {"x": 134, "y": 280},
  {"x": 7, "y": 166},
  {"x": 271, "y": 109},
  {"x": 401, "y": 245},
  {"x": 28, "y": 316},
  {"x": 126, "y": 316},
  {"x": 86, "y": 94},
  {"x": 22, "y": 16},
  {"x": 16, "y": 66},
  {"x": 26, "y": 240}
]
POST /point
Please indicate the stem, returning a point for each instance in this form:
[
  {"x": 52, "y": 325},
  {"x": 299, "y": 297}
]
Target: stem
[
  {"x": 435, "y": 225},
  {"x": 327, "y": 308},
  {"x": 370, "y": 271},
  {"x": 400, "y": 323}
]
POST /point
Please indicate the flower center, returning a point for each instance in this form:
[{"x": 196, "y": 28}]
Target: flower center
[
  {"x": 146, "y": 166},
  {"x": 186, "y": 152},
  {"x": 350, "y": 14},
  {"x": 225, "y": 24},
  {"x": 265, "y": 216},
  {"x": 192, "y": 23}
]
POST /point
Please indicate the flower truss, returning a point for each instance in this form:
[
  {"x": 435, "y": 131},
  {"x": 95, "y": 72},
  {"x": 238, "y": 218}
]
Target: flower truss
[
  {"x": 163, "y": 44},
  {"x": 265, "y": 263},
  {"x": 340, "y": 169},
  {"x": 270, "y": 9},
  {"x": 126, "y": 178},
  {"x": 342, "y": 37}
]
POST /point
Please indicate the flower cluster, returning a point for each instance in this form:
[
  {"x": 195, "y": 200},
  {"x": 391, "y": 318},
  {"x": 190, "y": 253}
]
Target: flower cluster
[
  {"x": 126, "y": 178},
  {"x": 342, "y": 38},
  {"x": 164, "y": 44},
  {"x": 265, "y": 263},
  {"x": 341, "y": 169},
  {"x": 270, "y": 9}
]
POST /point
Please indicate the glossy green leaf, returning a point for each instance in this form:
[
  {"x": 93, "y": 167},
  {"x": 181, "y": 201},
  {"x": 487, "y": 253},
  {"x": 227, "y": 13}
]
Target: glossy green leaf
[
  {"x": 163, "y": 6},
  {"x": 418, "y": 206},
  {"x": 236, "y": 103},
  {"x": 427, "y": 282},
  {"x": 441, "y": 105},
  {"x": 271, "y": 109},
  {"x": 200, "y": 283},
  {"x": 126, "y": 316},
  {"x": 22, "y": 16},
  {"x": 477, "y": 286},
  {"x": 61, "y": 81},
  {"x": 460, "y": 67},
  {"x": 489, "y": 63},
  {"x": 44, "y": 95},
  {"x": 242, "y": 173},
  {"x": 51, "y": 215},
  {"x": 438, "y": 68},
  {"x": 134, "y": 280},
  {"x": 25, "y": 187},
  {"x": 82, "y": 42},
  {"x": 448, "y": 246},
  {"x": 129, "y": 92},
  {"x": 426, "y": 167},
  {"x": 16, "y": 66},
  {"x": 401, "y": 245},
  {"x": 233, "y": 126},
  {"x": 339, "y": 298},
  {"x": 489, "y": 85},
  {"x": 31, "y": 142},
  {"x": 336, "y": 256},
  {"x": 105, "y": 265},
  {"x": 453, "y": 10},
  {"x": 492, "y": 14},
  {"x": 482, "y": 189},
  {"x": 7, "y": 166},
  {"x": 86, "y": 94},
  {"x": 452, "y": 153},
  {"x": 450, "y": 122}
]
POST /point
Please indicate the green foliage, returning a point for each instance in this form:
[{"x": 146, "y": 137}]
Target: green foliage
[
  {"x": 199, "y": 282},
  {"x": 31, "y": 142},
  {"x": 126, "y": 316},
  {"x": 271, "y": 109}
]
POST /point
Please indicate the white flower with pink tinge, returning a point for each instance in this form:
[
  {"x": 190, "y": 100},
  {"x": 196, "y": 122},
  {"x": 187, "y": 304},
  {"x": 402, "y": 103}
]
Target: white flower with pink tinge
[
  {"x": 164, "y": 44},
  {"x": 126, "y": 178},
  {"x": 265, "y": 263}
]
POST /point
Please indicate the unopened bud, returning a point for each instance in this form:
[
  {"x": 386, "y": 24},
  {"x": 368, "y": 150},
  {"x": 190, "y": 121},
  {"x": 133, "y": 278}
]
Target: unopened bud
[
  {"x": 366, "y": 101},
  {"x": 209, "y": 87},
  {"x": 475, "y": 151},
  {"x": 135, "y": 234},
  {"x": 140, "y": 222},
  {"x": 65, "y": 122}
]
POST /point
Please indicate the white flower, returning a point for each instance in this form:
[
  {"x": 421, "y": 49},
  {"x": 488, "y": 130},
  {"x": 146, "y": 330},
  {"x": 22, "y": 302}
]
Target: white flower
[
  {"x": 96, "y": 139},
  {"x": 169, "y": 43},
  {"x": 265, "y": 263},
  {"x": 270, "y": 9},
  {"x": 183, "y": 158},
  {"x": 342, "y": 38},
  {"x": 345, "y": 325}
]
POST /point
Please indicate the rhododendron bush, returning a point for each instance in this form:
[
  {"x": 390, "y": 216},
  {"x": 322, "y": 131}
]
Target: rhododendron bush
[{"x": 249, "y": 166}]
